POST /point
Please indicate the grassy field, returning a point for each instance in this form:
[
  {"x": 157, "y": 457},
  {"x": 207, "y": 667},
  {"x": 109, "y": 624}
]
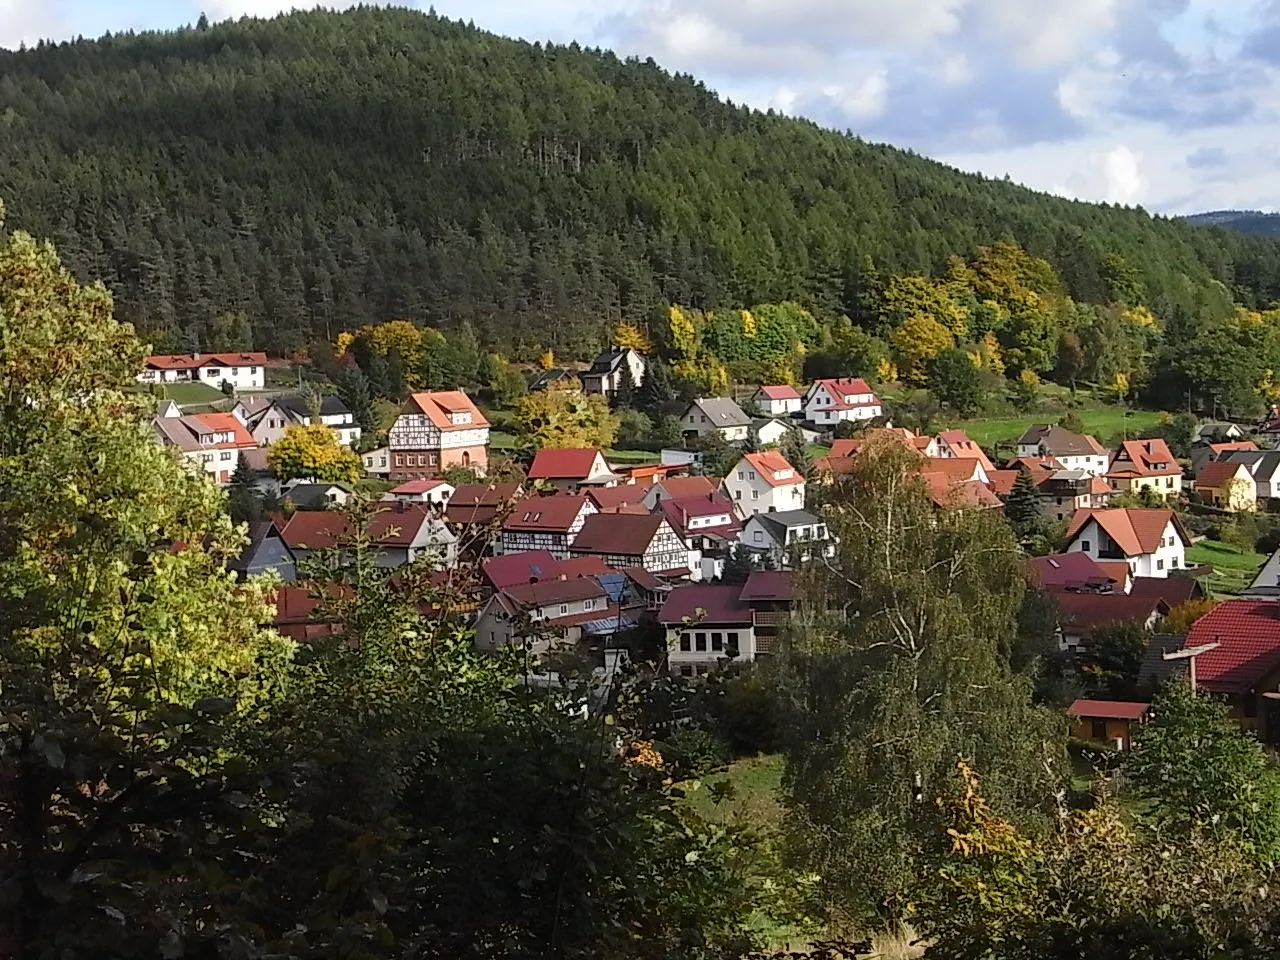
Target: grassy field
[
  {"x": 757, "y": 784},
  {"x": 1233, "y": 570},
  {"x": 1105, "y": 423},
  {"x": 184, "y": 393}
]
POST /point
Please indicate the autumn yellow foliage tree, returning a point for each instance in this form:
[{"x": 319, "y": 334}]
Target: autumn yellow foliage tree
[
  {"x": 918, "y": 340},
  {"x": 631, "y": 337},
  {"x": 547, "y": 359},
  {"x": 565, "y": 417},
  {"x": 905, "y": 297},
  {"x": 313, "y": 452}
]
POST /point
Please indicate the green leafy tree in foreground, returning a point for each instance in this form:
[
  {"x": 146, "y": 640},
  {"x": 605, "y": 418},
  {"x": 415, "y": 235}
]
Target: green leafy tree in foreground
[{"x": 901, "y": 667}]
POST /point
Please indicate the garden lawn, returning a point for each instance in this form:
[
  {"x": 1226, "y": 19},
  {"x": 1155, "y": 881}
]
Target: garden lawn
[
  {"x": 1232, "y": 569},
  {"x": 185, "y": 393},
  {"x": 1105, "y": 423},
  {"x": 757, "y": 785}
]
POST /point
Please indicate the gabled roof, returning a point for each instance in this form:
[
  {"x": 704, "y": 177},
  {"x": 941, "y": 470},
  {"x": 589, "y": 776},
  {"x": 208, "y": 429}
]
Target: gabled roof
[
  {"x": 1172, "y": 590},
  {"x": 516, "y": 568},
  {"x": 547, "y": 377},
  {"x": 721, "y": 412},
  {"x": 1084, "y": 611},
  {"x": 1108, "y": 709},
  {"x": 258, "y": 533},
  {"x": 774, "y": 469},
  {"x": 679, "y": 513},
  {"x": 1068, "y": 571},
  {"x": 767, "y": 585},
  {"x": 1218, "y": 473},
  {"x": 959, "y": 494},
  {"x": 1248, "y": 632},
  {"x": 547, "y": 514},
  {"x": 876, "y": 436},
  {"x": 612, "y": 499},
  {"x": 189, "y": 361},
  {"x": 574, "y": 463},
  {"x": 718, "y": 603},
  {"x": 959, "y": 442},
  {"x": 622, "y": 534},
  {"x": 608, "y": 361},
  {"x": 1144, "y": 458},
  {"x": 779, "y": 392},
  {"x": 1229, "y": 445},
  {"x": 186, "y": 432},
  {"x": 1002, "y": 481},
  {"x": 543, "y": 592},
  {"x": 843, "y": 389},
  {"x": 680, "y": 487},
  {"x": 955, "y": 469},
  {"x": 439, "y": 405},
  {"x": 1263, "y": 464},
  {"x": 330, "y": 405},
  {"x": 392, "y": 525},
  {"x": 476, "y": 503},
  {"x": 1061, "y": 442},
  {"x": 1135, "y": 530},
  {"x": 419, "y": 485}
]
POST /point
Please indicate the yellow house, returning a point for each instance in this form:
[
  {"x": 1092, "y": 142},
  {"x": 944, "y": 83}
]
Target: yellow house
[
  {"x": 1108, "y": 722},
  {"x": 1228, "y": 485},
  {"x": 1150, "y": 464}
]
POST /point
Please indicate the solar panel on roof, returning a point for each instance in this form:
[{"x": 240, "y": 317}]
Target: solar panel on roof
[
  {"x": 608, "y": 625},
  {"x": 614, "y": 584}
]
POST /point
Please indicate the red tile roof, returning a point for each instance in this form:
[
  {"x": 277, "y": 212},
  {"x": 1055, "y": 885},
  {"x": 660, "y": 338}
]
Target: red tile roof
[
  {"x": 955, "y": 469},
  {"x": 1135, "y": 530},
  {"x": 1172, "y": 590},
  {"x": 780, "y": 392},
  {"x": 583, "y": 567},
  {"x": 1108, "y": 709},
  {"x": 421, "y": 485},
  {"x": 186, "y": 361},
  {"x": 680, "y": 512},
  {"x": 554, "y": 591},
  {"x": 718, "y": 603},
  {"x": 514, "y": 568},
  {"x": 1084, "y": 611},
  {"x": 965, "y": 493},
  {"x": 623, "y": 534},
  {"x": 556, "y": 513},
  {"x": 1228, "y": 445},
  {"x": 1067, "y": 571},
  {"x": 1248, "y": 632},
  {"x": 678, "y": 487},
  {"x": 767, "y": 585},
  {"x": 611, "y": 498},
  {"x": 568, "y": 464},
  {"x": 845, "y": 387},
  {"x": 392, "y": 525},
  {"x": 958, "y": 441},
  {"x": 1145, "y": 458},
  {"x": 439, "y": 405},
  {"x": 1216, "y": 474},
  {"x": 849, "y": 446},
  {"x": 769, "y": 463},
  {"x": 1002, "y": 481}
]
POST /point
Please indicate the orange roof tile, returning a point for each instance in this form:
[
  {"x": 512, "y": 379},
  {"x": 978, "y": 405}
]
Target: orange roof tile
[
  {"x": 440, "y": 405},
  {"x": 1135, "y": 530},
  {"x": 774, "y": 468}
]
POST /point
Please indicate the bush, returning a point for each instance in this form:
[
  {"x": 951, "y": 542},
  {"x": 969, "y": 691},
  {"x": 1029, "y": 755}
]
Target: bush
[
  {"x": 693, "y": 752},
  {"x": 746, "y": 713}
]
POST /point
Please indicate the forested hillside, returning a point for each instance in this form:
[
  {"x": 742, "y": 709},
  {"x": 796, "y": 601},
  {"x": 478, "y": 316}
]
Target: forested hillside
[
  {"x": 325, "y": 170},
  {"x": 1245, "y": 221}
]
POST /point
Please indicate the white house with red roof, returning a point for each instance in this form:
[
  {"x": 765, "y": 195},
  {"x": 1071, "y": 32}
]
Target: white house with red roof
[
  {"x": 779, "y": 400},
  {"x": 828, "y": 402},
  {"x": 708, "y": 527},
  {"x": 955, "y": 444},
  {"x": 210, "y": 442},
  {"x": 570, "y": 469},
  {"x": 435, "y": 431},
  {"x": 707, "y": 624},
  {"x": 422, "y": 490},
  {"x": 1152, "y": 541},
  {"x": 764, "y": 483},
  {"x": 244, "y": 371}
]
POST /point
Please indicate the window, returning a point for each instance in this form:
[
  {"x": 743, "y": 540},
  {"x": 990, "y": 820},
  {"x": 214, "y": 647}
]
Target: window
[
  {"x": 741, "y": 475},
  {"x": 564, "y": 608},
  {"x": 226, "y": 455},
  {"x": 1098, "y": 730},
  {"x": 737, "y": 494},
  {"x": 253, "y": 371},
  {"x": 686, "y": 670},
  {"x": 206, "y": 458},
  {"x": 700, "y": 642},
  {"x": 751, "y": 474},
  {"x": 755, "y": 494},
  {"x": 686, "y": 642},
  {"x": 717, "y": 641},
  {"x": 588, "y": 604},
  {"x": 399, "y": 460},
  {"x": 1086, "y": 546},
  {"x": 1159, "y": 564},
  {"x": 213, "y": 372},
  {"x": 235, "y": 371},
  {"x": 704, "y": 418},
  {"x": 382, "y": 461},
  {"x": 733, "y": 642},
  {"x": 757, "y": 537}
]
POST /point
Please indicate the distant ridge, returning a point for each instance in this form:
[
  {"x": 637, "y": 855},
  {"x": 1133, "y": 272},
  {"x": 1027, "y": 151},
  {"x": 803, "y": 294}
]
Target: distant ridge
[{"x": 1253, "y": 222}]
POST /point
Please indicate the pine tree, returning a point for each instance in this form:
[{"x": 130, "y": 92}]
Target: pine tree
[
  {"x": 354, "y": 391},
  {"x": 796, "y": 452},
  {"x": 1022, "y": 506},
  {"x": 624, "y": 398},
  {"x": 656, "y": 390},
  {"x": 244, "y": 502}
]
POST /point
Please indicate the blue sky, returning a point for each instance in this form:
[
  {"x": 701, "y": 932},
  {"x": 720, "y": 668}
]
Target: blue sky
[{"x": 1173, "y": 104}]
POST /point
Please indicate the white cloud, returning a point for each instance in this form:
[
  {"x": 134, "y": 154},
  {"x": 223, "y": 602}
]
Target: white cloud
[
  {"x": 29, "y": 21},
  {"x": 226, "y": 9},
  {"x": 1046, "y": 33},
  {"x": 863, "y": 100},
  {"x": 1121, "y": 175}
]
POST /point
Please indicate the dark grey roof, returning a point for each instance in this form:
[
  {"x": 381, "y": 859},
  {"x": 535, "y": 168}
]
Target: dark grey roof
[
  {"x": 722, "y": 412},
  {"x": 550, "y": 376},
  {"x": 296, "y": 403},
  {"x": 1155, "y": 671},
  {"x": 1262, "y": 464},
  {"x": 607, "y": 362},
  {"x": 1059, "y": 441},
  {"x": 780, "y": 522}
]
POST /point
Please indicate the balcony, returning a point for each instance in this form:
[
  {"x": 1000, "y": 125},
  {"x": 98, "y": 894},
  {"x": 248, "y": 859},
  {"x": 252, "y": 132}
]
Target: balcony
[{"x": 771, "y": 618}]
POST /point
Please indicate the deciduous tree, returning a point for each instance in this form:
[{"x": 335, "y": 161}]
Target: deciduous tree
[
  {"x": 313, "y": 452},
  {"x": 565, "y": 417}
]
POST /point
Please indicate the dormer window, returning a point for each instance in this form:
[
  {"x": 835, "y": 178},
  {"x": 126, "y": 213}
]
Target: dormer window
[
  {"x": 782, "y": 474},
  {"x": 460, "y": 417}
]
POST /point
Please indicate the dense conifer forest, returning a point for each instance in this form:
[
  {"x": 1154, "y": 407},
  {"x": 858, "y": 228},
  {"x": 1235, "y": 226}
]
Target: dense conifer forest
[{"x": 320, "y": 171}]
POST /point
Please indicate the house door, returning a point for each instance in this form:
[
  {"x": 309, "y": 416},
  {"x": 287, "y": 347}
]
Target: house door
[{"x": 466, "y": 458}]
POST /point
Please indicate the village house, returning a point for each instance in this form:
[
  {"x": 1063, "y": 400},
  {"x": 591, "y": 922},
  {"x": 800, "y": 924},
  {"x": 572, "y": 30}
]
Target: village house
[
  {"x": 1152, "y": 541},
  {"x": 517, "y": 568},
  {"x": 772, "y": 431},
  {"x": 266, "y": 552},
  {"x": 551, "y": 379},
  {"x": 315, "y": 495},
  {"x": 1214, "y": 431},
  {"x": 832, "y": 401},
  {"x": 1243, "y": 665},
  {"x": 956, "y": 445},
  {"x": 708, "y": 415},
  {"x": 1228, "y": 485},
  {"x": 606, "y": 373},
  {"x": 436, "y": 492},
  {"x": 1266, "y": 582},
  {"x": 678, "y": 488},
  {"x": 1063, "y": 492},
  {"x": 781, "y": 400},
  {"x": 706, "y": 625},
  {"x": 623, "y": 498},
  {"x": 400, "y": 534},
  {"x": 1073, "y": 573},
  {"x": 770, "y": 596},
  {"x": 555, "y": 609},
  {"x": 1145, "y": 464},
  {"x": 269, "y": 418},
  {"x": 1264, "y": 467},
  {"x": 475, "y": 510},
  {"x": 1107, "y": 722},
  {"x": 570, "y": 470},
  {"x": 244, "y": 371},
  {"x": 377, "y": 463},
  {"x": 1208, "y": 452},
  {"x": 1073, "y": 451},
  {"x": 708, "y": 527},
  {"x": 1082, "y": 613},
  {"x": 788, "y": 537},
  {"x": 209, "y": 442},
  {"x": 543, "y": 523},
  {"x": 631, "y": 540},
  {"x": 764, "y": 483},
  {"x": 435, "y": 431}
]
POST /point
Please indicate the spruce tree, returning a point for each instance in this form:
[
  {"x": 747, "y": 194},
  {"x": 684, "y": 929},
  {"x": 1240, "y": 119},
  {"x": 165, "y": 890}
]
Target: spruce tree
[
  {"x": 624, "y": 398},
  {"x": 796, "y": 452},
  {"x": 656, "y": 390},
  {"x": 354, "y": 391},
  {"x": 1022, "y": 506}
]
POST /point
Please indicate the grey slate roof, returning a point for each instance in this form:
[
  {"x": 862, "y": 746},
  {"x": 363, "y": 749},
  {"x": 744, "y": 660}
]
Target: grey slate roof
[
  {"x": 296, "y": 403},
  {"x": 607, "y": 362},
  {"x": 1155, "y": 671},
  {"x": 1061, "y": 442},
  {"x": 780, "y": 522},
  {"x": 721, "y": 412}
]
